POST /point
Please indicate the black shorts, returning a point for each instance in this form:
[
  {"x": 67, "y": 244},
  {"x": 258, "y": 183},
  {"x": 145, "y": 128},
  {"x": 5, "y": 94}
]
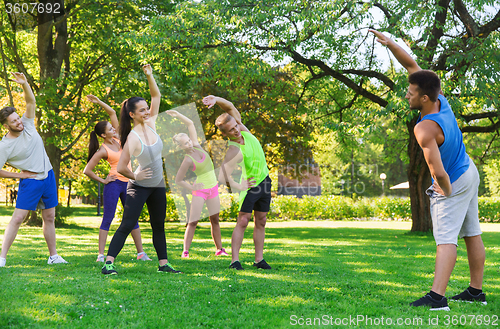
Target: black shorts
[{"x": 258, "y": 198}]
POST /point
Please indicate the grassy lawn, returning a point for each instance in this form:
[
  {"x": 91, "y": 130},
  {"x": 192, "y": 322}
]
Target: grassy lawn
[{"x": 332, "y": 271}]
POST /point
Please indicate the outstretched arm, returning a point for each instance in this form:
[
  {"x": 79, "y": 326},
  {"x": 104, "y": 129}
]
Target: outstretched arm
[
  {"x": 153, "y": 90},
  {"x": 227, "y": 106},
  {"x": 401, "y": 55},
  {"x": 112, "y": 114},
  {"x": 29, "y": 97},
  {"x": 188, "y": 122}
]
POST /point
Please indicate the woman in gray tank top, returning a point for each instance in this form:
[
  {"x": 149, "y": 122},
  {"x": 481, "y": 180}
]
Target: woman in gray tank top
[{"x": 146, "y": 185}]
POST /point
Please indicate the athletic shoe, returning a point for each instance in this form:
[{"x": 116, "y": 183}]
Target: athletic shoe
[
  {"x": 167, "y": 268},
  {"x": 109, "y": 268},
  {"x": 236, "y": 265},
  {"x": 2, "y": 262},
  {"x": 100, "y": 258},
  {"x": 466, "y": 296},
  {"x": 436, "y": 305},
  {"x": 56, "y": 259},
  {"x": 185, "y": 254},
  {"x": 262, "y": 264},
  {"x": 221, "y": 252},
  {"x": 143, "y": 256}
]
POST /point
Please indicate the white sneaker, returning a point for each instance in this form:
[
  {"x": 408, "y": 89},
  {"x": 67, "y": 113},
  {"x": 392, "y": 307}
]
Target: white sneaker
[
  {"x": 143, "y": 256},
  {"x": 56, "y": 259},
  {"x": 2, "y": 262},
  {"x": 100, "y": 258}
]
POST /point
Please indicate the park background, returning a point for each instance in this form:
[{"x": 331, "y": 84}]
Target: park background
[{"x": 323, "y": 97}]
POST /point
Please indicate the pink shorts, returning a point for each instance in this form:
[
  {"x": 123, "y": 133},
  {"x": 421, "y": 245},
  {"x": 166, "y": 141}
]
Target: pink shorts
[{"x": 207, "y": 193}]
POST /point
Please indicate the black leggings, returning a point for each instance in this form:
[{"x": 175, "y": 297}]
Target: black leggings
[{"x": 156, "y": 201}]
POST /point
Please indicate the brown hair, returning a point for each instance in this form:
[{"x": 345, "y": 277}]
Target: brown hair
[
  {"x": 5, "y": 112},
  {"x": 125, "y": 119},
  {"x": 428, "y": 83},
  {"x": 223, "y": 119},
  {"x": 99, "y": 129}
]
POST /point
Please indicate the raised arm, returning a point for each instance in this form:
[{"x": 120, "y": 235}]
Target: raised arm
[
  {"x": 227, "y": 106},
  {"x": 188, "y": 122},
  {"x": 111, "y": 113},
  {"x": 29, "y": 97},
  {"x": 401, "y": 55},
  {"x": 224, "y": 104},
  {"x": 153, "y": 90}
]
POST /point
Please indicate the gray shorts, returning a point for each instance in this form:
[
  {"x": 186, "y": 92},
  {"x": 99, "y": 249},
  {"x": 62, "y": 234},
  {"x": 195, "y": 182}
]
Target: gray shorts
[{"x": 457, "y": 214}]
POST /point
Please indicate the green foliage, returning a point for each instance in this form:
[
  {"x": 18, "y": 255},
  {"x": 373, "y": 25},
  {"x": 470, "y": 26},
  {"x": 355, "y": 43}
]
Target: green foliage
[
  {"x": 346, "y": 208},
  {"x": 171, "y": 210},
  {"x": 143, "y": 217},
  {"x": 229, "y": 207},
  {"x": 62, "y": 215},
  {"x": 492, "y": 171},
  {"x": 489, "y": 209},
  {"x": 327, "y": 270},
  {"x": 393, "y": 208},
  {"x": 327, "y": 208}
]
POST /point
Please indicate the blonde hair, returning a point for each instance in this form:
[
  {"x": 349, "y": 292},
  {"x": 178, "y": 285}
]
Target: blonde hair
[{"x": 177, "y": 136}]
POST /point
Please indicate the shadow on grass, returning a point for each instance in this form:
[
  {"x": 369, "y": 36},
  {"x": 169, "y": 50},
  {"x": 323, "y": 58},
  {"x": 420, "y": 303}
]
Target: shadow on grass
[{"x": 337, "y": 271}]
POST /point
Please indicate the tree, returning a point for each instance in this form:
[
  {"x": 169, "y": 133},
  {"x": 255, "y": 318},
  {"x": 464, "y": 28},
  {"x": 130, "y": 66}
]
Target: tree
[
  {"x": 80, "y": 48},
  {"x": 262, "y": 93},
  {"x": 329, "y": 39}
]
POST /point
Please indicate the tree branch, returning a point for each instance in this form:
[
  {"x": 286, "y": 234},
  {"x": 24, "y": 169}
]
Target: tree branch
[
  {"x": 477, "y": 116},
  {"x": 463, "y": 14},
  {"x": 334, "y": 74},
  {"x": 481, "y": 129},
  {"x": 372, "y": 74},
  {"x": 437, "y": 29}
]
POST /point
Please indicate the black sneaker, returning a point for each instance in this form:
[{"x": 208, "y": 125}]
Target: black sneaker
[
  {"x": 109, "y": 268},
  {"x": 236, "y": 265},
  {"x": 262, "y": 264},
  {"x": 436, "y": 305},
  {"x": 167, "y": 268},
  {"x": 466, "y": 296}
]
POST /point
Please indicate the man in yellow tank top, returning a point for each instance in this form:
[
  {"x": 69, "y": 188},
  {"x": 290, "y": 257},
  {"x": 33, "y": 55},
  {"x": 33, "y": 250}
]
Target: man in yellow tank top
[{"x": 255, "y": 184}]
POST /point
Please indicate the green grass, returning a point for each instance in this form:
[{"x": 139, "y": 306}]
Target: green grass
[{"x": 318, "y": 272}]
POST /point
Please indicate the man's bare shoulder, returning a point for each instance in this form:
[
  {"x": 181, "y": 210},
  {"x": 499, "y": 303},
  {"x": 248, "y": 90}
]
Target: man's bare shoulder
[{"x": 426, "y": 131}]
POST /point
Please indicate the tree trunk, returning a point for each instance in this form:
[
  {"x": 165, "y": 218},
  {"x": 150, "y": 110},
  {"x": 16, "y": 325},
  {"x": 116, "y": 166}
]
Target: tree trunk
[
  {"x": 54, "y": 154},
  {"x": 33, "y": 219},
  {"x": 52, "y": 38},
  {"x": 419, "y": 179},
  {"x": 69, "y": 194}
]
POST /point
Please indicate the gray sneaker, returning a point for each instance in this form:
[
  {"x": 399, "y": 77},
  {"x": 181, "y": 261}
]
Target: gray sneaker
[
  {"x": 142, "y": 256},
  {"x": 56, "y": 259}
]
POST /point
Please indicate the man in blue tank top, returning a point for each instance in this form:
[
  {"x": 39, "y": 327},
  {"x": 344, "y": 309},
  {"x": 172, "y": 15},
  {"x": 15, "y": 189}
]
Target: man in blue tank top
[{"x": 453, "y": 194}]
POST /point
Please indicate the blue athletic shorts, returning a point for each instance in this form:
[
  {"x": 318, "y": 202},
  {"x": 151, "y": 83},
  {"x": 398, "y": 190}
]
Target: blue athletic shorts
[{"x": 37, "y": 194}]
